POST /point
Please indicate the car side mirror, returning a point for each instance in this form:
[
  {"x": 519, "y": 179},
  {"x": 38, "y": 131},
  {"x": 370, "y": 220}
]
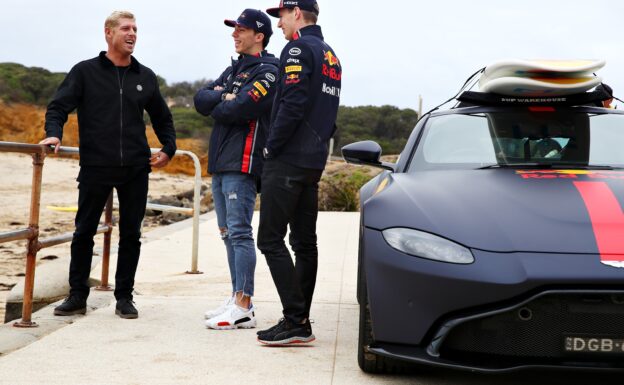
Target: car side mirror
[{"x": 366, "y": 153}]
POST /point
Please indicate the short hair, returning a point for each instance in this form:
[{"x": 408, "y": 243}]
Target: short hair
[
  {"x": 113, "y": 20},
  {"x": 266, "y": 39},
  {"x": 309, "y": 17}
]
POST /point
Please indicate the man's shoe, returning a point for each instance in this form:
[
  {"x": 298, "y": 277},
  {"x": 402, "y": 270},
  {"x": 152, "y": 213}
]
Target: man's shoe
[
  {"x": 72, "y": 305},
  {"x": 287, "y": 332},
  {"x": 217, "y": 311},
  {"x": 233, "y": 317},
  {"x": 125, "y": 309},
  {"x": 271, "y": 328}
]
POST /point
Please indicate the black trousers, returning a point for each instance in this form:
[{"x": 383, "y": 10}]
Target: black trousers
[
  {"x": 290, "y": 198},
  {"x": 132, "y": 195}
]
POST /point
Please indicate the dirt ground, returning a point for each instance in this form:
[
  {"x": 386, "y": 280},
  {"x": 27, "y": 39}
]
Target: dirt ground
[{"x": 59, "y": 191}]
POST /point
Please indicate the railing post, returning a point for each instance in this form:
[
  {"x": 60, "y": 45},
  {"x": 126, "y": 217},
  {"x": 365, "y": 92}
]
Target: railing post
[
  {"x": 196, "y": 212},
  {"x": 33, "y": 243},
  {"x": 108, "y": 221}
]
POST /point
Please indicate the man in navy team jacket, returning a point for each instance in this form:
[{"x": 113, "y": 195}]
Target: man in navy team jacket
[
  {"x": 240, "y": 102},
  {"x": 302, "y": 122}
]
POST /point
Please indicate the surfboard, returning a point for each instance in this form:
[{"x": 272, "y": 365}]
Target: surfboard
[
  {"x": 541, "y": 68},
  {"x": 519, "y": 86},
  {"x": 63, "y": 208},
  {"x": 540, "y": 77}
]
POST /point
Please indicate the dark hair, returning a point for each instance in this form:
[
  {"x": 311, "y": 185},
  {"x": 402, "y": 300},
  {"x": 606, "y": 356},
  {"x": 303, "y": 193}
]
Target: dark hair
[{"x": 266, "y": 39}]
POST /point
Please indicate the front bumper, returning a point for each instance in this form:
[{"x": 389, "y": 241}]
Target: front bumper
[{"x": 416, "y": 303}]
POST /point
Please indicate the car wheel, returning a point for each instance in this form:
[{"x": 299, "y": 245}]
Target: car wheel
[{"x": 370, "y": 362}]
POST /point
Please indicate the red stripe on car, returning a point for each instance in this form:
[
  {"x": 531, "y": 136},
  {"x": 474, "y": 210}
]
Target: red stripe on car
[{"x": 606, "y": 217}]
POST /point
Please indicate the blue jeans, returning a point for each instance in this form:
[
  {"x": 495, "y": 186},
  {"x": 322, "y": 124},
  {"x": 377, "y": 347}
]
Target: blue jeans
[{"x": 234, "y": 197}]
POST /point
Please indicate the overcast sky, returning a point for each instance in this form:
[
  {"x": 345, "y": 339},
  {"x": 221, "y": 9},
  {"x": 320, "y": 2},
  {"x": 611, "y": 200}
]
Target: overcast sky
[{"x": 391, "y": 51}]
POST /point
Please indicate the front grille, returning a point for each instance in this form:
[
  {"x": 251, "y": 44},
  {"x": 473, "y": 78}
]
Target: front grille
[{"x": 536, "y": 330}]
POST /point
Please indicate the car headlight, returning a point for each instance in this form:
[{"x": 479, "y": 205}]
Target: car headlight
[{"x": 425, "y": 245}]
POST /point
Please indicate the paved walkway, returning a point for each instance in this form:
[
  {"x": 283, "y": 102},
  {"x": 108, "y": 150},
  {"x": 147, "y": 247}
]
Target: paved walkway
[{"x": 169, "y": 344}]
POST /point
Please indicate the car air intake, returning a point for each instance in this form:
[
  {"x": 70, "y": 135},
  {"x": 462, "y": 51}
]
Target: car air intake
[{"x": 555, "y": 327}]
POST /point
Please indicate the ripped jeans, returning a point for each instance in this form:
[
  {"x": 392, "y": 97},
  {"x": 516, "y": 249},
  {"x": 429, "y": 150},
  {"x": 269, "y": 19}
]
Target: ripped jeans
[{"x": 234, "y": 197}]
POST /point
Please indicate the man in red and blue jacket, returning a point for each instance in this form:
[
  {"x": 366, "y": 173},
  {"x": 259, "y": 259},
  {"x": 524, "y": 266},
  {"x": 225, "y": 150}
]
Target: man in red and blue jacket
[
  {"x": 302, "y": 122},
  {"x": 240, "y": 102}
]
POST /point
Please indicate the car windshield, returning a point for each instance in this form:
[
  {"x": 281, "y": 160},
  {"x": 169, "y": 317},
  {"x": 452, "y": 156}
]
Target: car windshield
[{"x": 566, "y": 138}]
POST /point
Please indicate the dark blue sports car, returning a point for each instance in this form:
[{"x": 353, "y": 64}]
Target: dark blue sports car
[{"x": 496, "y": 242}]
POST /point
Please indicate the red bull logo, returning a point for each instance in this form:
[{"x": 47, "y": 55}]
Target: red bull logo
[
  {"x": 570, "y": 174},
  {"x": 331, "y": 59}
]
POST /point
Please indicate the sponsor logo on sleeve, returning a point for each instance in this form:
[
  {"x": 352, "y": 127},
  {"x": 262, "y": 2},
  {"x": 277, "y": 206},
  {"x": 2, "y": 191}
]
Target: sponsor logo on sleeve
[
  {"x": 254, "y": 94},
  {"x": 331, "y": 73},
  {"x": 292, "y": 60},
  {"x": 331, "y": 90},
  {"x": 260, "y": 88},
  {"x": 295, "y": 51},
  {"x": 270, "y": 77},
  {"x": 331, "y": 58},
  {"x": 290, "y": 69},
  {"x": 266, "y": 84}
]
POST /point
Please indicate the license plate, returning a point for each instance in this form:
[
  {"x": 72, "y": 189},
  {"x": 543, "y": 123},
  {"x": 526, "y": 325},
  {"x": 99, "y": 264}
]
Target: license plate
[{"x": 593, "y": 345}]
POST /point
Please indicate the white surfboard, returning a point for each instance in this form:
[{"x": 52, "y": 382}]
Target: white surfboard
[
  {"x": 522, "y": 86},
  {"x": 541, "y": 68}
]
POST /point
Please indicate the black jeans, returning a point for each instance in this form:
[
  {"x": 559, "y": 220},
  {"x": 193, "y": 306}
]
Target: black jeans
[
  {"x": 290, "y": 197},
  {"x": 132, "y": 195}
]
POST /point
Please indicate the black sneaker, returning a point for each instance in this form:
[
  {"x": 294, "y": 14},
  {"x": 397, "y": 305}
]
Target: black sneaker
[
  {"x": 287, "y": 333},
  {"x": 271, "y": 328},
  {"x": 72, "y": 305},
  {"x": 125, "y": 309}
]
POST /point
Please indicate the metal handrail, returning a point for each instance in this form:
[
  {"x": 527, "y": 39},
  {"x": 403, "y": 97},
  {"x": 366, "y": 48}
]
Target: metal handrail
[{"x": 39, "y": 152}]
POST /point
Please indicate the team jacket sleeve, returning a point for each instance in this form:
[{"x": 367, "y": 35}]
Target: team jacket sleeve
[
  {"x": 66, "y": 99},
  {"x": 162, "y": 121},
  {"x": 207, "y": 98},
  {"x": 296, "y": 69},
  {"x": 253, "y": 100}
]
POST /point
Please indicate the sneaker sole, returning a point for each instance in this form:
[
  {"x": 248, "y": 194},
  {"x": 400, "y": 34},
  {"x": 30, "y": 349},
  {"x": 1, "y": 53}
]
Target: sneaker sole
[
  {"x": 73, "y": 312},
  {"x": 244, "y": 325},
  {"x": 288, "y": 341},
  {"x": 126, "y": 316}
]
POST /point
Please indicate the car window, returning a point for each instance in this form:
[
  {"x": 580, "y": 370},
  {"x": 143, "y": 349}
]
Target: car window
[{"x": 506, "y": 138}]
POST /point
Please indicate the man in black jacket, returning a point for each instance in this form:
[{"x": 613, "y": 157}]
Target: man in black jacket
[
  {"x": 302, "y": 122},
  {"x": 240, "y": 102},
  {"x": 111, "y": 93}
]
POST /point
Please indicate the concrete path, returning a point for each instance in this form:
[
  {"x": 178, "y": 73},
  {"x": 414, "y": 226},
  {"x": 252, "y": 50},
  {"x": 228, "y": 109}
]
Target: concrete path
[{"x": 169, "y": 344}]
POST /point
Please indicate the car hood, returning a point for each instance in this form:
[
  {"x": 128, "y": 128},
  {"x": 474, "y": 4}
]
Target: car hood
[{"x": 506, "y": 210}]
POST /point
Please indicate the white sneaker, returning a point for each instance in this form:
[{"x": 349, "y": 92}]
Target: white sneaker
[
  {"x": 215, "y": 312},
  {"x": 233, "y": 317}
]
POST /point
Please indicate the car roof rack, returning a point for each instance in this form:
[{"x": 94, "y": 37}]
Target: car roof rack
[{"x": 473, "y": 98}]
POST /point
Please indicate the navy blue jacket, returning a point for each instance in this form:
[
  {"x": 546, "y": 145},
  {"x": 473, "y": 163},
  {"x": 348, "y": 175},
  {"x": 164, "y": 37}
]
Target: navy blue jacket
[
  {"x": 240, "y": 126},
  {"x": 306, "y": 103},
  {"x": 110, "y": 112}
]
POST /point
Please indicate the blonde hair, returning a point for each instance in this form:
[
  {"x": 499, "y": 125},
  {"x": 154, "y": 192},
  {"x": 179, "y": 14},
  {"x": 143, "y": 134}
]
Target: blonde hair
[{"x": 113, "y": 20}]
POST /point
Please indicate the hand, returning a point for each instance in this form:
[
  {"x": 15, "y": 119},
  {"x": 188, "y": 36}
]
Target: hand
[
  {"x": 218, "y": 88},
  {"x": 52, "y": 141},
  {"x": 230, "y": 96},
  {"x": 159, "y": 160}
]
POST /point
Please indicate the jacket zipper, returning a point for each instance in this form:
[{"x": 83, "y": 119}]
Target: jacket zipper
[{"x": 121, "y": 81}]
